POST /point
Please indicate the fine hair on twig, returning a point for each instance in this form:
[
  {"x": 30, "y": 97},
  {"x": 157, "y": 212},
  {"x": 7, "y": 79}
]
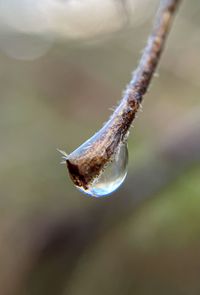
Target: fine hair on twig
[{"x": 88, "y": 161}]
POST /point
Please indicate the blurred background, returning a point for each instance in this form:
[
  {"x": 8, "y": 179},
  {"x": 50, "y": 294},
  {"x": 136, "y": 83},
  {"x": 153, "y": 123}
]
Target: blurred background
[{"x": 64, "y": 64}]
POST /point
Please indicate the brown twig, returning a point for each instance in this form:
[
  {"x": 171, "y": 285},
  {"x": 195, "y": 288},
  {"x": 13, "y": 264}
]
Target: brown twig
[{"x": 89, "y": 160}]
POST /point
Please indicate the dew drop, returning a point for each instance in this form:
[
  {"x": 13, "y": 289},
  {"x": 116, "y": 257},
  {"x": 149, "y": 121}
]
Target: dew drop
[{"x": 112, "y": 177}]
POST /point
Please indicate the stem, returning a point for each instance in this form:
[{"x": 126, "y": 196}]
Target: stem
[{"x": 89, "y": 160}]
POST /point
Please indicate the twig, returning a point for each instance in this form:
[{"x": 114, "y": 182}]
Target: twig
[{"x": 88, "y": 161}]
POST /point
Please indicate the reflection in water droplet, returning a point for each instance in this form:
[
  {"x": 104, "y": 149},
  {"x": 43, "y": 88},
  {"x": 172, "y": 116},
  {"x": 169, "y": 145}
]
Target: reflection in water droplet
[{"x": 112, "y": 177}]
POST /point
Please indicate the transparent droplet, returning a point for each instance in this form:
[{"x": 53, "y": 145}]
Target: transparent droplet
[{"x": 112, "y": 177}]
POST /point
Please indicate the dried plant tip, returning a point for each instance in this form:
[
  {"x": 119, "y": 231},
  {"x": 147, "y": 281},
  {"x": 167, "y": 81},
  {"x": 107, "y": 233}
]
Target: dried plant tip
[{"x": 89, "y": 162}]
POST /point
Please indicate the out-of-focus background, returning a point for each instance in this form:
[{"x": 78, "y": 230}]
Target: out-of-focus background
[{"x": 63, "y": 65}]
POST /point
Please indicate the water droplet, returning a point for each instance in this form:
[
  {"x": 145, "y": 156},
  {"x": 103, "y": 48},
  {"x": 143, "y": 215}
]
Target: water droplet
[{"x": 112, "y": 177}]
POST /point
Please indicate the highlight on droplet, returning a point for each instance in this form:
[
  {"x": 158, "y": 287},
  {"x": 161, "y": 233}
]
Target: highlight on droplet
[{"x": 111, "y": 177}]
